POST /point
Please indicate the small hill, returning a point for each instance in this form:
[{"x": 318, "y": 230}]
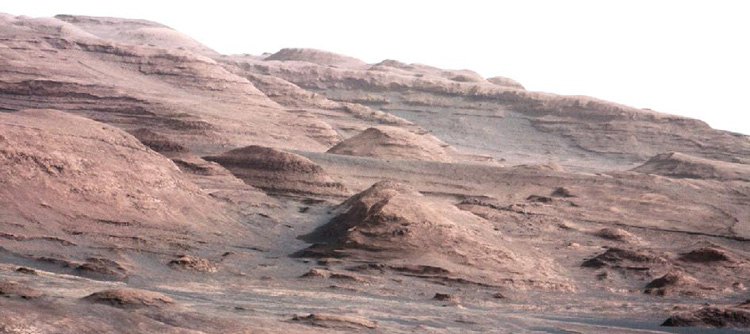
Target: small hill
[
  {"x": 392, "y": 223},
  {"x": 680, "y": 165},
  {"x": 277, "y": 171},
  {"x": 128, "y": 298},
  {"x": 385, "y": 142},
  {"x": 316, "y": 57},
  {"x": 69, "y": 170},
  {"x": 736, "y": 316},
  {"x": 420, "y": 70}
]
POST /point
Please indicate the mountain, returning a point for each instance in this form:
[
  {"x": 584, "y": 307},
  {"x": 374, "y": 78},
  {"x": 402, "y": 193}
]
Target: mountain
[{"x": 151, "y": 184}]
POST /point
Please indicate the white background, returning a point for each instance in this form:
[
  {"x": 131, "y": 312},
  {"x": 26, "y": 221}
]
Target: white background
[{"x": 681, "y": 57}]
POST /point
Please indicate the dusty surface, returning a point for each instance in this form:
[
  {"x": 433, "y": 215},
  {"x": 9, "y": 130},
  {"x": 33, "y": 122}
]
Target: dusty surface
[{"x": 152, "y": 185}]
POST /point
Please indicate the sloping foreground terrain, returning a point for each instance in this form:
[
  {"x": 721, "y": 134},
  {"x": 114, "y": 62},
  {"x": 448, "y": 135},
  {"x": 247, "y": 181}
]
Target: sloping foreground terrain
[{"x": 149, "y": 184}]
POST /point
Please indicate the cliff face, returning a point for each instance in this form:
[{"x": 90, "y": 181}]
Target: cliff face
[
  {"x": 151, "y": 184},
  {"x": 145, "y": 72},
  {"x": 498, "y": 117}
]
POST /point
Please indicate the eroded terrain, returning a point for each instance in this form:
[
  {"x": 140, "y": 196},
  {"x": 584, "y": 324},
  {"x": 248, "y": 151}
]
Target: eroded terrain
[{"x": 150, "y": 184}]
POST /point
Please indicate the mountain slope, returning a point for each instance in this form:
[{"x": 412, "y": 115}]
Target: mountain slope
[
  {"x": 49, "y": 63},
  {"x": 151, "y": 184},
  {"x": 507, "y": 122}
]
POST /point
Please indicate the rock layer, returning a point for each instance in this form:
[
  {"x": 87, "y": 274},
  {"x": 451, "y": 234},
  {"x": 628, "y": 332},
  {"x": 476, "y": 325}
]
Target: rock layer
[
  {"x": 679, "y": 165},
  {"x": 720, "y": 317},
  {"x": 395, "y": 143},
  {"x": 47, "y": 160},
  {"x": 278, "y": 171}
]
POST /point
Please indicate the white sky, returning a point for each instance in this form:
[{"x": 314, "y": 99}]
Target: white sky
[{"x": 680, "y": 57}]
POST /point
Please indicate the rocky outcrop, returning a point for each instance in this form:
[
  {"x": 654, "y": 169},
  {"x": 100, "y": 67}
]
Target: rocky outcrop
[
  {"x": 127, "y": 298},
  {"x": 277, "y": 171},
  {"x": 395, "y": 143},
  {"x": 616, "y": 234},
  {"x": 676, "y": 282},
  {"x": 335, "y": 321},
  {"x": 680, "y": 165},
  {"x": 319, "y": 57},
  {"x": 101, "y": 268},
  {"x": 18, "y": 290},
  {"x": 712, "y": 316},
  {"x": 390, "y": 221},
  {"x": 624, "y": 259},
  {"x": 387, "y": 219},
  {"x": 158, "y": 142},
  {"x": 708, "y": 255},
  {"x": 193, "y": 263}
]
